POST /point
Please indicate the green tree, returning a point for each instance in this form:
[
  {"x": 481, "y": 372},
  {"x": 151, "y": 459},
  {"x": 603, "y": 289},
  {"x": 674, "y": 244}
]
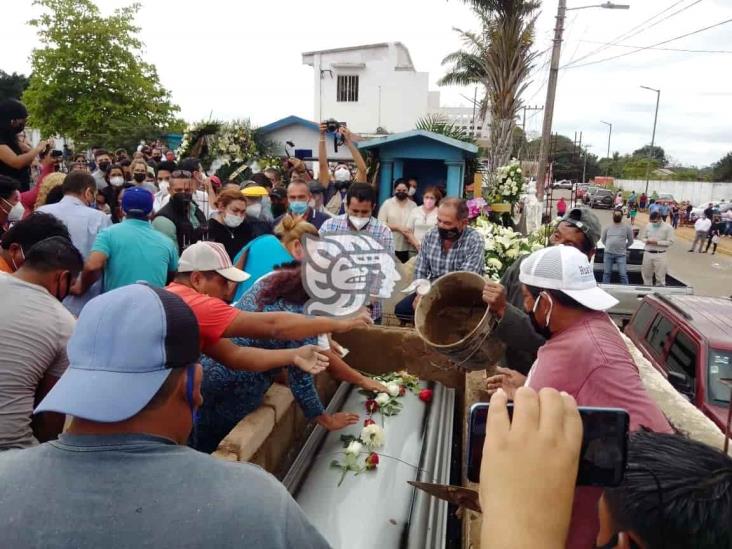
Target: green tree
[
  {"x": 12, "y": 86},
  {"x": 722, "y": 169},
  {"x": 499, "y": 57},
  {"x": 656, "y": 153},
  {"x": 436, "y": 123},
  {"x": 568, "y": 160},
  {"x": 89, "y": 81}
]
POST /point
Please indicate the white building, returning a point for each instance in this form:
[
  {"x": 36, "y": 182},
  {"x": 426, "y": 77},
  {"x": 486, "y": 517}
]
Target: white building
[{"x": 376, "y": 89}]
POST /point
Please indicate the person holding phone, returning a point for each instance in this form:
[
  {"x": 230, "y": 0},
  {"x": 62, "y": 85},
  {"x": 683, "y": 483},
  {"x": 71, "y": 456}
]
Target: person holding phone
[
  {"x": 16, "y": 156},
  {"x": 584, "y": 355}
]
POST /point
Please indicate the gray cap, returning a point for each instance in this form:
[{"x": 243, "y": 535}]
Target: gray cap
[{"x": 586, "y": 221}]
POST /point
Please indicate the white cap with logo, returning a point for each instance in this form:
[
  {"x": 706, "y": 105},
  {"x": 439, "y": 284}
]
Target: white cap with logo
[
  {"x": 566, "y": 269},
  {"x": 210, "y": 256}
]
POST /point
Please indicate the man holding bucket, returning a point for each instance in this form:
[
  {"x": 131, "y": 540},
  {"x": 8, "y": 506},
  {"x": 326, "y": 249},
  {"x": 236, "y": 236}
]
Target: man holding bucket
[
  {"x": 450, "y": 247},
  {"x": 580, "y": 229}
]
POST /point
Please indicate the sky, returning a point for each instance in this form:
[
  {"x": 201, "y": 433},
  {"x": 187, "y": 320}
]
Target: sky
[{"x": 227, "y": 59}]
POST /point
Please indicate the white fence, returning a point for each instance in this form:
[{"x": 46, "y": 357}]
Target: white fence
[{"x": 696, "y": 192}]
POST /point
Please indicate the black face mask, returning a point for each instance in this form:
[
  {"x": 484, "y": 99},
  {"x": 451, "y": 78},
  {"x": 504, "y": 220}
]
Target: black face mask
[
  {"x": 139, "y": 177},
  {"x": 68, "y": 287},
  {"x": 543, "y": 331},
  {"x": 401, "y": 195},
  {"x": 449, "y": 234},
  {"x": 181, "y": 201},
  {"x": 342, "y": 185},
  {"x": 104, "y": 166},
  {"x": 157, "y": 158},
  {"x": 278, "y": 210}
]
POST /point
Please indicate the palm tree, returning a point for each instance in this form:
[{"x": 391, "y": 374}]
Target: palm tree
[{"x": 500, "y": 58}]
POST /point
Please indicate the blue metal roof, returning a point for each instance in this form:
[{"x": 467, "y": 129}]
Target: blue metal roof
[
  {"x": 379, "y": 141},
  {"x": 289, "y": 121}
]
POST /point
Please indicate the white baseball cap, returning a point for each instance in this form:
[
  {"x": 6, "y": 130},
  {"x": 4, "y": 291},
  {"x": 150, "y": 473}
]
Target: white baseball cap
[
  {"x": 566, "y": 269},
  {"x": 210, "y": 256}
]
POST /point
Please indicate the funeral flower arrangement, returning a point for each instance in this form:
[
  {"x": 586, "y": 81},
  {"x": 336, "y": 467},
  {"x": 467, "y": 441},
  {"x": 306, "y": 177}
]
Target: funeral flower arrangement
[
  {"x": 234, "y": 143},
  {"x": 503, "y": 246},
  {"x": 507, "y": 184},
  {"x": 360, "y": 452}
]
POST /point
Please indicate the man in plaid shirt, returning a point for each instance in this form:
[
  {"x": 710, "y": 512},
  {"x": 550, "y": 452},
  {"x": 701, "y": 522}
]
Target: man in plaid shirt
[
  {"x": 451, "y": 246},
  {"x": 360, "y": 202}
]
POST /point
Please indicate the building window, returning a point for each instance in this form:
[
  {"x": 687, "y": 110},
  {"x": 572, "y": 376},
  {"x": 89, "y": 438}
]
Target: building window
[{"x": 347, "y": 88}]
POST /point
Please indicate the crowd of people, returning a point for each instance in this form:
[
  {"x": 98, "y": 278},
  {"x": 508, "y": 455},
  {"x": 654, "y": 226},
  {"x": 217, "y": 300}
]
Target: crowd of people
[{"x": 154, "y": 305}]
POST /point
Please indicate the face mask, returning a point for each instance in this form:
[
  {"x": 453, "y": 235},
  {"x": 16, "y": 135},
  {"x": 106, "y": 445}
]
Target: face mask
[
  {"x": 617, "y": 218},
  {"x": 232, "y": 220},
  {"x": 542, "y": 330},
  {"x": 298, "y": 207},
  {"x": 68, "y": 286},
  {"x": 22, "y": 254},
  {"x": 139, "y": 177},
  {"x": 164, "y": 186},
  {"x": 342, "y": 185},
  {"x": 104, "y": 166},
  {"x": 181, "y": 200},
  {"x": 412, "y": 191},
  {"x": 116, "y": 181},
  {"x": 449, "y": 234},
  {"x": 342, "y": 175},
  {"x": 429, "y": 203},
  {"x": 157, "y": 158},
  {"x": 16, "y": 211},
  {"x": 401, "y": 195},
  {"x": 358, "y": 222},
  {"x": 254, "y": 210}
]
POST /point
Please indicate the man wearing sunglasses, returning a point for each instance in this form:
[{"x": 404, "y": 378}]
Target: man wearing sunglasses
[
  {"x": 580, "y": 229},
  {"x": 181, "y": 219}
]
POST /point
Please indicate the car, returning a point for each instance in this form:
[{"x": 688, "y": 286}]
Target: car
[
  {"x": 688, "y": 340},
  {"x": 666, "y": 198},
  {"x": 602, "y": 198},
  {"x": 563, "y": 184},
  {"x": 589, "y": 192},
  {"x": 717, "y": 207},
  {"x": 581, "y": 190}
]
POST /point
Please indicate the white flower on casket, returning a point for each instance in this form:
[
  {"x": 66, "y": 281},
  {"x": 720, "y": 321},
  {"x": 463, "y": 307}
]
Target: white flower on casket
[
  {"x": 382, "y": 398},
  {"x": 354, "y": 448},
  {"x": 393, "y": 389},
  {"x": 495, "y": 263},
  {"x": 372, "y": 436}
]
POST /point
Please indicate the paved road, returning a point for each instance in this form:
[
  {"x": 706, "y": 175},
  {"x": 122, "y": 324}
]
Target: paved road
[{"x": 708, "y": 274}]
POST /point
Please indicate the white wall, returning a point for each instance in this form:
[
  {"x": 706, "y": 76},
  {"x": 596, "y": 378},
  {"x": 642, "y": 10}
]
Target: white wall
[
  {"x": 696, "y": 192},
  {"x": 390, "y": 97},
  {"x": 305, "y": 138}
]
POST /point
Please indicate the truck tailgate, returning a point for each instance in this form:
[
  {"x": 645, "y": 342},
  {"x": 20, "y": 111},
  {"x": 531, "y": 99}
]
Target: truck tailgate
[{"x": 630, "y": 296}]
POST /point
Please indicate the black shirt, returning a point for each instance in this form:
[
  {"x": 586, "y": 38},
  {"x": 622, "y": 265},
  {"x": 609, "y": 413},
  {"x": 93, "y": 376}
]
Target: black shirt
[
  {"x": 21, "y": 175},
  {"x": 235, "y": 239},
  {"x": 316, "y": 219}
]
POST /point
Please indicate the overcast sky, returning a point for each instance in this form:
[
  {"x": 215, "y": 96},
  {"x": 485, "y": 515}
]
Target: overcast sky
[{"x": 243, "y": 59}]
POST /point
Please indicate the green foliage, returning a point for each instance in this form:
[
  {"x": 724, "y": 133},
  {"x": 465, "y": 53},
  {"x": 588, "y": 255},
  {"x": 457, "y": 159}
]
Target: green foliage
[
  {"x": 436, "y": 123},
  {"x": 656, "y": 153},
  {"x": 12, "y": 86},
  {"x": 89, "y": 81},
  {"x": 568, "y": 159},
  {"x": 722, "y": 169}
]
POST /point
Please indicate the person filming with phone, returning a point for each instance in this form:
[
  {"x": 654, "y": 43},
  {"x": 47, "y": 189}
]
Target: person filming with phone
[
  {"x": 337, "y": 185},
  {"x": 584, "y": 355}
]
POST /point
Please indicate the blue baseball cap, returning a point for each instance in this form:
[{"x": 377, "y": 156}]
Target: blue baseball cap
[
  {"x": 124, "y": 346},
  {"x": 137, "y": 201}
]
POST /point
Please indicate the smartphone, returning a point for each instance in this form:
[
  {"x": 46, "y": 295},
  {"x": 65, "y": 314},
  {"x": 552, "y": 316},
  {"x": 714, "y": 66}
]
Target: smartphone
[{"x": 604, "y": 444}]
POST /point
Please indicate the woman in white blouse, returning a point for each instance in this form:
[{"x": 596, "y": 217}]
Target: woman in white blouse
[{"x": 424, "y": 217}]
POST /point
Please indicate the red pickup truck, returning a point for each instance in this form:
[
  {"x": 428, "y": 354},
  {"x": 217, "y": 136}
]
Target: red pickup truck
[{"x": 689, "y": 340}]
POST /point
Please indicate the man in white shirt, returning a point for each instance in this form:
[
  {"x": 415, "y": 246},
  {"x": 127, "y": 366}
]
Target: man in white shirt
[
  {"x": 659, "y": 237},
  {"x": 702, "y": 226}
]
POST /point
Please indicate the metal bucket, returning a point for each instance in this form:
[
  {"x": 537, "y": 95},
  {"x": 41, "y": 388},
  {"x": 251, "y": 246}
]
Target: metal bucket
[{"x": 453, "y": 320}]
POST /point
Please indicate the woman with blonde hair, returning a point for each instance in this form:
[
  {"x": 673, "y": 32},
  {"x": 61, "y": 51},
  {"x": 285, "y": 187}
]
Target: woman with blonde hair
[
  {"x": 229, "y": 225},
  {"x": 49, "y": 182},
  {"x": 260, "y": 257}
]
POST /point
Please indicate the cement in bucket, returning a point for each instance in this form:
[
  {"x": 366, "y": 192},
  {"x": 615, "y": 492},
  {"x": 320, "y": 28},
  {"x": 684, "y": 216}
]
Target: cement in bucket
[{"x": 453, "y": 320}]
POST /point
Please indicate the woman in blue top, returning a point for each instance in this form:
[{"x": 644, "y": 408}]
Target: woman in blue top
[{"x": 229, "y": 395}]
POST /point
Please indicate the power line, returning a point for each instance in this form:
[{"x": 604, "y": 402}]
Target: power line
[
  {"x": 652, "y": 45},
  {"x": 660, "y": 49},
  {"x": 629, "y": 33}
]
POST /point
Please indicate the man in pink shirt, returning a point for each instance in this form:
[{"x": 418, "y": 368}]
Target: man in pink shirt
[{"x": 584, "y": 356}]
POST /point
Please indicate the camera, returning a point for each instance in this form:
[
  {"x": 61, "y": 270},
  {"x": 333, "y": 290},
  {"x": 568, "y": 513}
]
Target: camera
[
  {"x": 333, "y": 125},
  {"x": 56, "y": 154}
]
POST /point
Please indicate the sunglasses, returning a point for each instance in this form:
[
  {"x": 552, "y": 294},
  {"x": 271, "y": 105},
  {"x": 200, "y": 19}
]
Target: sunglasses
[{"x": 181, "y": 173}]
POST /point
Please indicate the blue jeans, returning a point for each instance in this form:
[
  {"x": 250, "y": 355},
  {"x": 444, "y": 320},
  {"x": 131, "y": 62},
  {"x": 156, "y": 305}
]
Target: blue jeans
[{"x": 608, "y": 261}]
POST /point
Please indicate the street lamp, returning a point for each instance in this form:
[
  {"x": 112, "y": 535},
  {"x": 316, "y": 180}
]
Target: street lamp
[
  {"x": 551, "y": 90},
  {"x": 653, "y": 135},
  {"x": 609, "y": 135}
]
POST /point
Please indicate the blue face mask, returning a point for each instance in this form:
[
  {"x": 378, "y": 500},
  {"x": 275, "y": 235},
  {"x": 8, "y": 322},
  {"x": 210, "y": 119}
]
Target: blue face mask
[{"x": 298, "y": 207}]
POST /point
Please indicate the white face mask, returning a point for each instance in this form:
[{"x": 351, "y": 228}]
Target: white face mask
[
  {"x": 358, "y": 222},
  {"x": 117, "y": 181},
  {"x": 232, "y": 220},
  {"x": 412, "y": 191},
  {"x": 342, "y": 174},
  {"x": 164, "y": 186},
  {"x": 312, "y": 204},
  {"x": 16, "y": 212},
  {"x": 254, "y": 210}
]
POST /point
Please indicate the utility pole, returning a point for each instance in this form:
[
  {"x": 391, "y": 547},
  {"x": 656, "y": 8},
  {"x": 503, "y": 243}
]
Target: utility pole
[
  {"x": 609, "y": 135},
  {"x": 584, "y": 168},
  {"x": 525, "y": 108},
  {"x": 551, "y": 92},
  {"x": 653, "y": 135},
  {"x": 475, "y": 104}
]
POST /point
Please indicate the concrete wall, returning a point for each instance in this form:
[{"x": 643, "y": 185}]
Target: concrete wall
[
  {"x": 391, "y": 93},
  {"x": 696, "y": 192}
]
